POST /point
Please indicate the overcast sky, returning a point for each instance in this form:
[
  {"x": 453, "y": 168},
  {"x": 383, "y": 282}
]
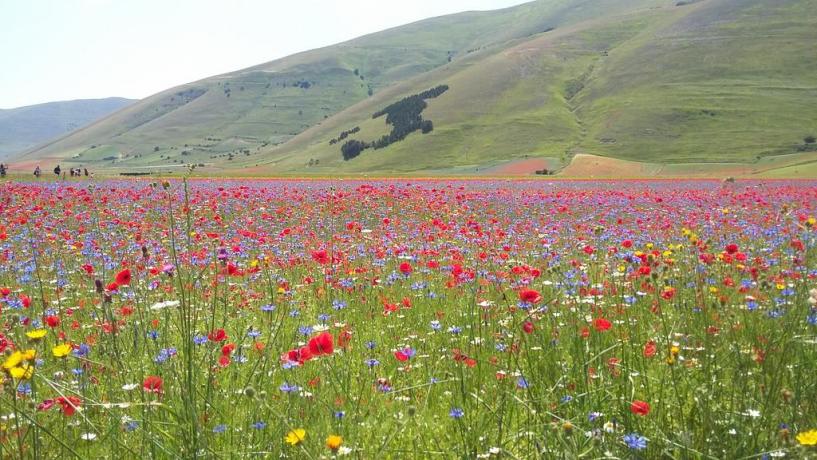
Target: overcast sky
[{"x": 75, "y": 49}]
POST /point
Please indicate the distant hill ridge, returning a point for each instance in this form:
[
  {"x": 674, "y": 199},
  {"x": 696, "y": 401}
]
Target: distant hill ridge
[{"x": 25, "y": 127}]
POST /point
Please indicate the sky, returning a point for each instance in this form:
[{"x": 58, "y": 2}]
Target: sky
[{"x": 52, "y": 50}]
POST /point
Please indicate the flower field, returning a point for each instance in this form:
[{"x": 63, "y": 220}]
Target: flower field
[{"x": 408, "y": 319}]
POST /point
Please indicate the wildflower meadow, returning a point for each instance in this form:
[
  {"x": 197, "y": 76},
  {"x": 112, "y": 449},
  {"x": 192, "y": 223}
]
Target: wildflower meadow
[{"x": 391, "y": 319}]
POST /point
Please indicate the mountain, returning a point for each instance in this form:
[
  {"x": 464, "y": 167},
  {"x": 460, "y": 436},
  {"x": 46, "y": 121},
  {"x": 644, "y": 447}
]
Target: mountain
[
  {"x": 25, "y": 127},
  {"x": 663, "y": 87}
]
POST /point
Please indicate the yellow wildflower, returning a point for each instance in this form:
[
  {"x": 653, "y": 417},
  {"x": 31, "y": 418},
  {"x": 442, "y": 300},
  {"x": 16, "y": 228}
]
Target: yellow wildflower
[
  {"x": 61, "y": 351},
  {"x": 807, "y": 438},
  {"x": 13, "y": 360},
  {"x": 334, "y": 442},
  {"x": 23, "y": 372},
  {"x": 36, "y": 334},
  {"x": 295, "y": 436}
]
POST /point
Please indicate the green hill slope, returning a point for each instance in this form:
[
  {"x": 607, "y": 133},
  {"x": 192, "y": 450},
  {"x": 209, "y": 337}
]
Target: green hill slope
[{"x": 664, "y": 82}]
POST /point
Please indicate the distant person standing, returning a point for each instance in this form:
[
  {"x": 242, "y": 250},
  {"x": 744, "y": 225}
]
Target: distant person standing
[
  {"x": 86, "y": 172},
  {"x": 57, "y": 171},
  {"x": 37, "y": 172},
  {"x": 2, "y": 170}
]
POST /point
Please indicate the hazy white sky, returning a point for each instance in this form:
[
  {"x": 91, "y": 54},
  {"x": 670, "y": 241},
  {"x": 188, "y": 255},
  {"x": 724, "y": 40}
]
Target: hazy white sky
[{"x": 75, "y": 49}]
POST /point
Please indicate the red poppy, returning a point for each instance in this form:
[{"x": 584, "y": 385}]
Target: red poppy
[
  {"x": 52, "y": 321},
  {"x": 323, "y": 344},
  {"x": 641, "y": 408},
  {"x": 344, "y": 337},
  {"x": 732, "y": 248},
  {"x": 152, "y": 384},
  {"x": 650, "y": 349},
  {"x": 530, "y": 296},
  {"x": 217, "y": 336},
  {"x": 668, "y": 293},
  {"x": 320, "y": 257},
  {"x": 405, "y": 268},
  {"x": 601, "y": 324},
  {"x": 528, "y": 327},
  {"x": 123, "y": 277},
  {"x": 227, "y": 349},
  {"x": 304, "y": 354},
  {"x": 69, "y": 404}
]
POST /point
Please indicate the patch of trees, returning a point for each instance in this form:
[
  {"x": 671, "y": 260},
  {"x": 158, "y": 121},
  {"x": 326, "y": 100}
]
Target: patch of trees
[
  {"x": 809, "y": 144},
  {"x": 344, "y": 134},
  {"x": 405, "y": 117},
  {"x": 353, "y": 148},
  {"x": 303, "y": 84}
]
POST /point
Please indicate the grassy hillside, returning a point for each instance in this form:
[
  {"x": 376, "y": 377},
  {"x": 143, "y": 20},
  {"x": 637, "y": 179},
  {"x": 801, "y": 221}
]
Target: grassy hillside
[
  {"x": 25, "y": 127},
  {"x": 245, "y": 112},
  {"x": 653, "y": 81}
]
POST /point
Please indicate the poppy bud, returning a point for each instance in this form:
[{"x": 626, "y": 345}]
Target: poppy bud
[
  {"x": 99, "y": 287},
  {"x": 249, "y": 392},
  {"x": 107, "y": 298}
]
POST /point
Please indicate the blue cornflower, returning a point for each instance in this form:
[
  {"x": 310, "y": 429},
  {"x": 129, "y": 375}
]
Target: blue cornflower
[
  {"x": 287, "y": 388},
  {"x": 522, "y": 383},
  {"x": 435, "y": 325},
  {"x": 259, "y": 425},
  {"x": 635, "y": 441},
  {"x": 24, "y": 388},
  {"x": 200, "y": 339},
  {"x": 456, "y": 413},
  {"x": 268, "y": 308},
  {"x": 81, "y": 351},
  {"x": 455, "y": 330},
  {"x": 372, "y": 362},
  {"x": 370, "y": 345},
  {"x": 812, "y": 319},
  {"x": 253, "y": 333}
]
